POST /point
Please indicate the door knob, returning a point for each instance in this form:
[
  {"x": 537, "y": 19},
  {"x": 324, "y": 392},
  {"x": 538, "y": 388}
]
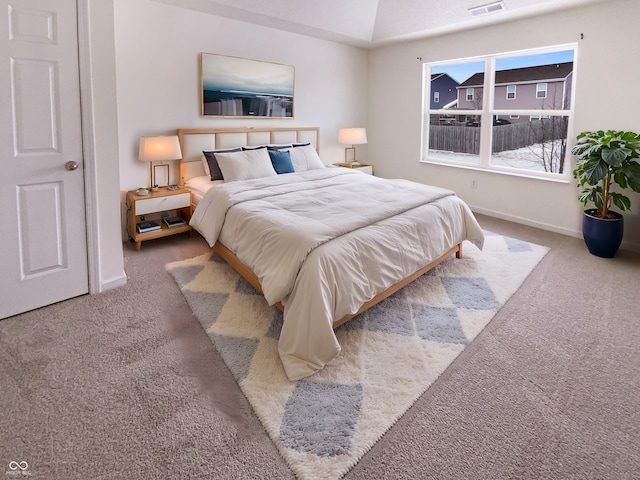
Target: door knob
[{"x": 71, "y": 166}]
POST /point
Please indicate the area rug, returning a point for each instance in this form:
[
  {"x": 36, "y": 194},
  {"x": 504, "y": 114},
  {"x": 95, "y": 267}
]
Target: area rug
[{"x": 391, "y": 354}]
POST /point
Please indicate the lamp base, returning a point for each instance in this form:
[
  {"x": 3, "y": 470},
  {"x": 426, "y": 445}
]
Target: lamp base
[{"x": 346, "y": 154}]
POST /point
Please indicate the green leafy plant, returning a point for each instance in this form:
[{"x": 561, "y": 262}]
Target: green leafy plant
[{"x": 605, "y": 159}]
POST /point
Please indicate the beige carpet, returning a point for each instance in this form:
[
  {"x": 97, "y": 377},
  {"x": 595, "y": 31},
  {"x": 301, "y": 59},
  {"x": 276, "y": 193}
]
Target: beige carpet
[{"x": 125, "y": 385}]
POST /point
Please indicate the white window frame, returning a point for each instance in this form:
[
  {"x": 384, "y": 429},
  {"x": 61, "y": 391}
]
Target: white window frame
[
  {"x": 513, "y": 92},
  {"x": 538, "y": 117},
  {"x": 436, "y": 97},
  {"x": 486, "y": 113},
  {"x": 544, "y": 90},
  {"x": 470, "y": 94}
]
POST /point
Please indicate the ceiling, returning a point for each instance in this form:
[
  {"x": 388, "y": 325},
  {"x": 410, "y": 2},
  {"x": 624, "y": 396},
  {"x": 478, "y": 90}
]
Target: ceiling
[{"x": 371, "y": 23}]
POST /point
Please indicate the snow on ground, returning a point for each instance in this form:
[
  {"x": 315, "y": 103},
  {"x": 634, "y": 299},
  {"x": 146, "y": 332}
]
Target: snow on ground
[{"x": 526, "y": 158}]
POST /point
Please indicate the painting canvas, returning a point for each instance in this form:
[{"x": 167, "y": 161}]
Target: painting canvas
[{"x": 238, "y": 87}]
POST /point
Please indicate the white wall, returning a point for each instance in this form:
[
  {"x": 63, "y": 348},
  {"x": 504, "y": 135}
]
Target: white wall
[
  {"x": 606, "y": 76},
  {"x": 101, "y": 145},
  {"x": 158, "y": 50}
]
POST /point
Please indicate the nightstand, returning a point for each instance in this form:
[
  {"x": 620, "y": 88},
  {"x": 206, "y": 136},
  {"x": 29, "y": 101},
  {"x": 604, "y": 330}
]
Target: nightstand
[
  {"x": 163, "y": 200},
  {"x": 363, "y": 167}
]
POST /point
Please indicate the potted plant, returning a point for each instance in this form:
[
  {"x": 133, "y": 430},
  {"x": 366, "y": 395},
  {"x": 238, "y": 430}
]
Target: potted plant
[{"x": 606, "y": 159}]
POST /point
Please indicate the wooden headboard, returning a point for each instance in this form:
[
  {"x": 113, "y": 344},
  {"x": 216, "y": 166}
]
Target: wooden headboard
[{"x": 194, "y": 140}]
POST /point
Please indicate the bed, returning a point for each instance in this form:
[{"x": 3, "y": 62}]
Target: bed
[{"x": 322, "y": 243}]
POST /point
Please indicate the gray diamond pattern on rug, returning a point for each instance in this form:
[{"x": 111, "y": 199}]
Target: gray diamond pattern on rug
[
  {"x": 322, "y": 425},
  {"x": 470, "y": 293},
  {"x": 391, "y": 316},
  {"x": 184, "y": 275},
  {"x": 245, "y": 287},
  {"x": 320, "y": 417},
  {"x": 276, "y": 325},
  {"x": 439, "y": 324},
  {"x": 206, "y": 306},
  {"x": 515, "y": 245},
  {"x": 238, "y": 352}
]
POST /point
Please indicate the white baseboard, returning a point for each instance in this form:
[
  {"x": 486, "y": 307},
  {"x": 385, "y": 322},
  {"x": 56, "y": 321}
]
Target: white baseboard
[
  {"x": 632, "y": 247},
  {"x": 528, "y": 222},
  {"x": 115, "y": 282}
]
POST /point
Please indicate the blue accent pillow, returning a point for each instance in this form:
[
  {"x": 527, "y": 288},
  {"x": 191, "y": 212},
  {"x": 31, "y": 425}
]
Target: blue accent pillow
[{"x": 281, "y": 161}]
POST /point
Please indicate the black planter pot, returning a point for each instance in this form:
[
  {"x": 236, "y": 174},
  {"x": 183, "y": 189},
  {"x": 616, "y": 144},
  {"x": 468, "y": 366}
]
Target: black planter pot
[{"x": 603, "y": 236}]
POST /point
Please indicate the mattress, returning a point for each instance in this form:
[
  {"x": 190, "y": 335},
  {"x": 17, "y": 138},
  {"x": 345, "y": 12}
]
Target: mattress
[{"x": 199, "y": 186}]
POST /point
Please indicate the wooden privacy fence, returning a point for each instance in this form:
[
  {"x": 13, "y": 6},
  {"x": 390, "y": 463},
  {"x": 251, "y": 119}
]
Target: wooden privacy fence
[{"x": 463, "y": 139}]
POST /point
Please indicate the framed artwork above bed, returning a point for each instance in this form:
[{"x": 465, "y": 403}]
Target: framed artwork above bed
[{"x": 243, "y": 88}]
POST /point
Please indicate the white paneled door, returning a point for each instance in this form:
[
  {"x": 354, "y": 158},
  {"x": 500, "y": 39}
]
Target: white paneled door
[{"x": 43, "y": 245}]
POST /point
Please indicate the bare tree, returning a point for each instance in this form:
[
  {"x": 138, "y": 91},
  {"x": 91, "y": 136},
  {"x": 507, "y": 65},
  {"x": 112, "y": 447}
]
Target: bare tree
[{"x": 548, "y": 137}]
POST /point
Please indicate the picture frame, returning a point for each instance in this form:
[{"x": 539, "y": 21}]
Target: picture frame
[
  {"x": 161, "y": 175},
  {"x": 243, "y": 88}
]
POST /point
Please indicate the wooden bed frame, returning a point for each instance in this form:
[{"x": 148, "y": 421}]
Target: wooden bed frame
[
  {"x": 251, "y": 277},
  {"x": 193, "y": 141}
]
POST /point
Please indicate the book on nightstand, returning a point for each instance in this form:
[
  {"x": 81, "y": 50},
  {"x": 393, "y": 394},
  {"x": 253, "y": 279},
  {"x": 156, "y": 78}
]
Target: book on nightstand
[
  {"x": 173, "y": 222},
  {"x": 351, "y": 164},
  {"x": 150, "y": 226}
]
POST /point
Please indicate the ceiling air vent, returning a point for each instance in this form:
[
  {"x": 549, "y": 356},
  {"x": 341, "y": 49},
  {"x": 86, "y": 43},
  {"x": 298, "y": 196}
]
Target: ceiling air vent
[{"x": 486, "y": 9}]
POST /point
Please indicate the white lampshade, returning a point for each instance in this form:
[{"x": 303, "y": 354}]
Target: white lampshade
[
  {"x": 352, "y": 136},
  {"x": 159, "y": 149}
]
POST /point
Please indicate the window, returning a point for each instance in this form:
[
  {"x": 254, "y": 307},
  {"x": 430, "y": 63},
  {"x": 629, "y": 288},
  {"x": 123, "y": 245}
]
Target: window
[
  {"x": 523, "y": 134},
  {"x": 541, "y": 90},
  {"x": 436, "y": 97},
  {"x": 539, "y": 117}
]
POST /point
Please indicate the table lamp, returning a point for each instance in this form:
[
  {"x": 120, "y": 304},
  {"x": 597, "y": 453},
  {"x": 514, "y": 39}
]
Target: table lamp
[
  {"x": 352, "y": 136},
  {"x": 159, "y": 149}
]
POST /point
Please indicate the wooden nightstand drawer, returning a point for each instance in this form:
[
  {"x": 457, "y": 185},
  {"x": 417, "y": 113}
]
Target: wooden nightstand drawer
[{"x": 159, "y": 204}]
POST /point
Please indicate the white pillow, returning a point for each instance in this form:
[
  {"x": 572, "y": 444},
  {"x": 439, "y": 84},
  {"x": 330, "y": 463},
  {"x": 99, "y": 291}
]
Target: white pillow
[
  {"x": 205, "y": 164},
  {"x": 305, "y": 158},
  {"x": 245, "y": 165}
]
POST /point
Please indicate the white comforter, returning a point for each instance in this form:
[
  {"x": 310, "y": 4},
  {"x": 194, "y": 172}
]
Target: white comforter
[{"x": 323, "y": 242}]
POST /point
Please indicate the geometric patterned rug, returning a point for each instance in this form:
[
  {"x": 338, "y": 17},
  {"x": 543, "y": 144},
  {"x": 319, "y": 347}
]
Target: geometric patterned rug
[{"x": 322, "y": 425}]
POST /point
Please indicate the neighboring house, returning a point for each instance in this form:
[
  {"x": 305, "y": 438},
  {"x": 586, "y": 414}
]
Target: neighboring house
[
  {"x": 543, "y": 87},
  {"x": 444, "y": 93}
]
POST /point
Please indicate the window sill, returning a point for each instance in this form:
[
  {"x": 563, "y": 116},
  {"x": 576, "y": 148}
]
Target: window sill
[{"x": 513, "y": 172}]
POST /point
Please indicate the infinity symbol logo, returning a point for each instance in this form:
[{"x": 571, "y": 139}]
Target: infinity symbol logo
[{"x": 13, "y": 465}]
